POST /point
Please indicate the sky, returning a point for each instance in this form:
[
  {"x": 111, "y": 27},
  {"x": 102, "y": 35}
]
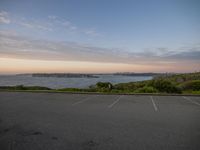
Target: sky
[{"x": 99, "y": 36}]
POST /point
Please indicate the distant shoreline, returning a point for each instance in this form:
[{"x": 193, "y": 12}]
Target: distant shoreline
[
  {"x": 64, "y": 75},
  {"x": 90, "y": 75}
]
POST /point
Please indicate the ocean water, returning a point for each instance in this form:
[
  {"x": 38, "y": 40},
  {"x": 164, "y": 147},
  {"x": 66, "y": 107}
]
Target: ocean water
[{"x": 55, "y": 83}]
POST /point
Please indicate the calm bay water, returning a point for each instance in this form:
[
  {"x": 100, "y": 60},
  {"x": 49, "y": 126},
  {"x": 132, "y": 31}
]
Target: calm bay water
[{"x": 53, "y": 82}]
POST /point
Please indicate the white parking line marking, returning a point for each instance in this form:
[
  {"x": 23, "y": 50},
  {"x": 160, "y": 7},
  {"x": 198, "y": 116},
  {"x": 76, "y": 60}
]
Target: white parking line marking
[
  {"x": 85, "y": 99},
  {"x": 154, "y": 104},
  {"x": 187, "y": 98},
  {"x": 115, "y": 102}
]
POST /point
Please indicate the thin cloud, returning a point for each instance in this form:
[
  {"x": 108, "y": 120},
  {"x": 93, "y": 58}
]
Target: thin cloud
[
  {"x": 92, "y": 32},
  {"x": 15, "y": 46},
  {"x": 35, "y": 26},
  {"x": 51, "y": 23},
  {"x": 52, "y": 17},
  {"x": 4, "y": 17},
  {"x": 62, "y": 23},
  {"x": 58, "y": 21}
]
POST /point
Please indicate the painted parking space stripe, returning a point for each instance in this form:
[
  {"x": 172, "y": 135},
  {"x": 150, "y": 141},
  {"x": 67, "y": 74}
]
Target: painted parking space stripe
[
  {"x": 154, "y": 104},
  {"x": 115, "y": 102},
  {"x": 188, "y": 99},
  {"x": 84, "y": 100}
]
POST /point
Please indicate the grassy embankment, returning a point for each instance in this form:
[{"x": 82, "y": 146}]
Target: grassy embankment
[{"x": 181, "y": 83}]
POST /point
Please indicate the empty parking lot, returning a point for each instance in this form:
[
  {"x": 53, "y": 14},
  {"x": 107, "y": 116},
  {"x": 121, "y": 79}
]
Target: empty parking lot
[{"x": 55, "y": 121}]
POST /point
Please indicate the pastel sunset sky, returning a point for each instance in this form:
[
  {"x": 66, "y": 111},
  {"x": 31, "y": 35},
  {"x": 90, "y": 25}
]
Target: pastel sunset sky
[{"x": 99, "y": 36}]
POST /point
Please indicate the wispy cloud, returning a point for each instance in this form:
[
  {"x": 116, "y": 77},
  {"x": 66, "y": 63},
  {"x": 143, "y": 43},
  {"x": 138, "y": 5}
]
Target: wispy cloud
[
  {"x": 50, "y": 23},
  {"x": 15, "y": 46},
  {"x": 32, "y": 25},
  {"x": 92, "y": 32},
  {"x": 52, "y": 17},
  {"x": 70, "y": 26},
  {"x": 4, "y": 17},
  {"x": 7, "y": 18}
]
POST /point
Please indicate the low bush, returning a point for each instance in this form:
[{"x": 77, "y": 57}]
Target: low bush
[
  {"x": 22, "y": 87},
  {"x": 104, "y": 86},
  {"x": 70, "y": 89},
  {"x": 107, "y": 85},
  {"x": 193, "y": 85},
  {"x": 36, "y": 88},
  {"x": 146, "y": 89},
  {"x": 164, "y": 86},
  {"x": 131, "y": 86}
]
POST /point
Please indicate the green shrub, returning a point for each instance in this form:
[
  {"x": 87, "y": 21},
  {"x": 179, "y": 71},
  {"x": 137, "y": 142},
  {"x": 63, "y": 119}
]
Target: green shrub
[
  {"x": 125, "y": 86},
  {"x": 22, "y": 87},
  {"x": 165, "y": 86},
  {"x": 107, "y": 85},
  {"x": 104, "y": 86},
  {"x": 70, "y": 90},
  {"x": 36, "y": 88},
  {"x": 180, "y": 78},
  {"x": 116, "y": 91},
  {"x": 146, "y": 89},
  {"x": 6, "y": 88},
  {"x": 90, "y": 90},
  {"x": 191, "y": 85},
  {"x": 19, "y": 87},
  {"x": 131, "y": 86}
]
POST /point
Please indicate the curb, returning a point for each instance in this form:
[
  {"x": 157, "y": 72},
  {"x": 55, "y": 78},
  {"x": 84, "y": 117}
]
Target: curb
[{"x": 98, "y": 93}]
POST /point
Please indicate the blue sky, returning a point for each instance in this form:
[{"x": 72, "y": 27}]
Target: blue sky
[{"x": 138, "y": 28}]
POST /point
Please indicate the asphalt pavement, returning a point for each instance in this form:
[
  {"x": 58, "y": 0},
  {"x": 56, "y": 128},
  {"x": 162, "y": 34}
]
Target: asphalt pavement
[{"x": 56, "y": 121}]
